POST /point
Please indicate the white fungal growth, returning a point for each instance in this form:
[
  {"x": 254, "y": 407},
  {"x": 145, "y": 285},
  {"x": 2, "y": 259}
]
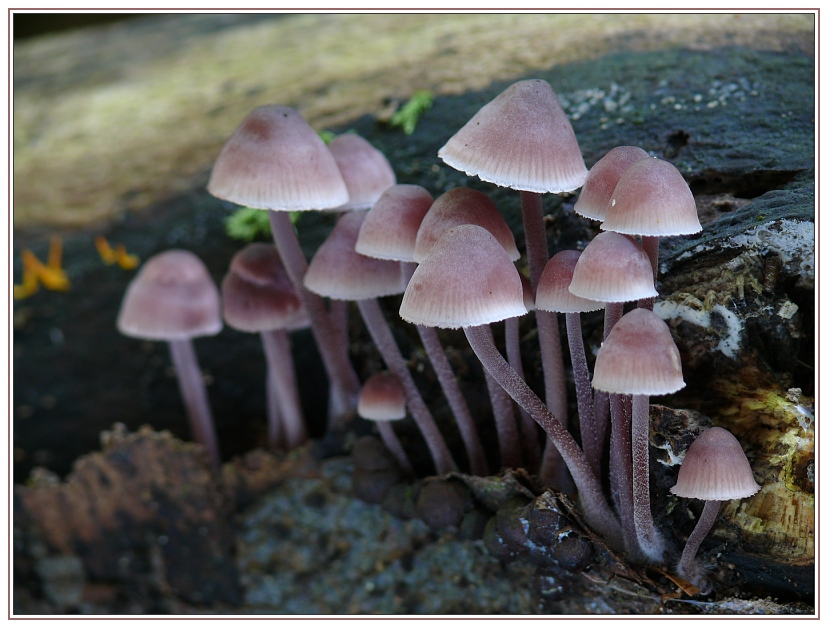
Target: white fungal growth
[
  {"x": 729, "y": 343},
  {"x": 792, "y": 240}
]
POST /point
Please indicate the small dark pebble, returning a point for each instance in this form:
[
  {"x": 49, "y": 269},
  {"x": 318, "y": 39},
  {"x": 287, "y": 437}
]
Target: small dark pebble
[
  {"x": 399, "y": 501},
  {"x": 369, "y": 454},
  {"x": 474, "y": 524},
  {"x": 494, "y": 542},
  {"x": 511, "y": 526},
  {"x": 371, "y": 486},
  {"x": 442, "y": 503},
  {"x": 573, "y": 553}
]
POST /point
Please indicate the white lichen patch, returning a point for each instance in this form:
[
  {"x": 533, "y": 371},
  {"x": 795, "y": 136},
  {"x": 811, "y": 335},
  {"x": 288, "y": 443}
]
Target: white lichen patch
[
  {"x": 792, "y": 240},
  {"x": 689, "y": 310}
]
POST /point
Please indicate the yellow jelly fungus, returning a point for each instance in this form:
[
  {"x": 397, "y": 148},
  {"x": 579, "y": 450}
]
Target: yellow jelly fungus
[
  {"x": 28, "y": 287},
  {"x": 105, "y": 251},
  {"x": 51, "y": 278},
  {"x": 125, "y": 260}
]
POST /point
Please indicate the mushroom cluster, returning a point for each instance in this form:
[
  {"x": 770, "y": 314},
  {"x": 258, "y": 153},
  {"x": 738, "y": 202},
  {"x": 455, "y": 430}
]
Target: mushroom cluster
[{"x": 454, "y": 259}]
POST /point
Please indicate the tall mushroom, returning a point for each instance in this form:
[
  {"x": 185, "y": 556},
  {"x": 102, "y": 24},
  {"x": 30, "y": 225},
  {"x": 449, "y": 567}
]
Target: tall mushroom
[
  {"x": 337, "y": 271},
  {"x": 389, "y": 231},
  {"x": 640, "y": 358},
  {"x": 258, "y": 297},
  {"x": 523, "y": 140},
  {"x": 276, "y": 161},
  {"x": 716, "y": 470},
  {"x": 174, "y": 299},
  {"x": 467, "y": 280}
]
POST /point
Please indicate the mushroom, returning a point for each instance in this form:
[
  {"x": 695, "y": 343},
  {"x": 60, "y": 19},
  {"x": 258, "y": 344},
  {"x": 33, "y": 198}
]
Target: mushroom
[
  {"x": 554, "y": 296},
  {"x": 258, "y": 297},
  {"x": 337, "y": 271},
  {"x": 652, "y": 199},
  {"x": 639, "y": 357},
  {"x": 613, "y": 268},
  {"x": 365, "y": 170},
  {"x": 276, "y": 161},
  {"x": 382, "y": 400},
  {"x": 715, "y": 469},
  {"x": 467, "y": 280},
  {"x": 461, "y": 206},
  {"x": 389, "y": 231},
  {"x": 174, "y": 299},
  {"x": 523, "y": 140},
  {"x": 600, "y": 183}
]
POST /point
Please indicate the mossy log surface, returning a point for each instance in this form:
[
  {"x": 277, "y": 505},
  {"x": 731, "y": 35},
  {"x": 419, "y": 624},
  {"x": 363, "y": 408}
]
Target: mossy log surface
[{"x": 115, "y": 131}]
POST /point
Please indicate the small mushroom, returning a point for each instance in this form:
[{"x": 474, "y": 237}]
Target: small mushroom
[
  {"x": 173, "y": 298},
  {"x": 715, "y": 469},
  {"x": 382, "y": 400}
]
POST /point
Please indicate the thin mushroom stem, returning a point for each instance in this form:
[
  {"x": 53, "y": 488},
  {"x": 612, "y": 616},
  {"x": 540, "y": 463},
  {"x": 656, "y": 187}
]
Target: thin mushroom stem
[
  {"x": 650, "y": 246},
  {"x": 549, "y": 338},
  {"x": 687, "y": 567},
  {"x": 393, "y": 444},
  {"x": 194, "y": 393},
  {"x": 601, "y": 404},
  {"x": 456, "y": 401},
  {"x": 649, "y": 540},
  {"x": 504, "y": 415},
  {"x": 528, "y": 428},
  {"x": 621, "y": 470},
  {"x": 343, "y": 381},
  {"x": 596, "y": 509},
  {"x": 387, "y": 346},
  {"x": 281, "y": 382},
  {"x": 451, "y": 389},
  {"x": 583, "y": 390}
]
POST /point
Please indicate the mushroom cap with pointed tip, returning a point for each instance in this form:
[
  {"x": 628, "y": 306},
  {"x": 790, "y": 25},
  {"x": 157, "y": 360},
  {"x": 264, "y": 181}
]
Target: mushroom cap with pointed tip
[
  {"x": 337, "y": 271},
  {"x": 365, "y": 170},
  {"x": 639, "y": 357},
  {"x": 600, "y": 183},
  {"x": 467, "y": 279},
  {"x": 715, "y": 468},
  {"x": 382, "y": 398},
  {"x": 553, "y": 293},
  {"x": 275, "y": 160},
  {"x": 257, "y": 294},
  {"x": 613, "y": 268},
  {"x": 172, "y": 297},
  {"x": 463, "y": 206},
  {"x": 652, "y": 199},
  {"x": 522, "y": 140},
  {"x": 389, "y": 230}
]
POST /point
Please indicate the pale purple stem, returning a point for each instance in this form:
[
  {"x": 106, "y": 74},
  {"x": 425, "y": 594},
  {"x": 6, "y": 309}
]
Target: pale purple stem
[
  {"x": 601, "y": 406},
  {"x": 456, "y": 401},
  {"x": 194, "y": 393},
  {"x": 282, "y": 384},
  {"x": 650, "y": 246},
  {"x": 528, "y": 428},
  {"x": 583, "y": 390},
  {"x": 649, "y": 539},
  {"x": 621, "y": 471},
  {"x": 387, "y": 346},
  {"x": 343, "y": 380},
  {"x": 393, "y": 444},
  {"x": 596, "y": 509},
  {"x": 504, "y": 416},
  {"x": 687, "y": 567}
]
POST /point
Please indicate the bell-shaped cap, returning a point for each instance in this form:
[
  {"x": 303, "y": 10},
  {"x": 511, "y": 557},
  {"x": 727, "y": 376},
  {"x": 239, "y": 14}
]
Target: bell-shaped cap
[
  {"x": 553, "y": 293},
  {"x": 337, "y": 271},
  {"x": 652, "y": 199},
  {"x": 613, "y": 268},
  {"x": 639, "y": 357},
  {"x": 600, "y": 183},
  {"x": 257, "y": 294},
  {"x": 172, "y": 297},
  {"x": 275, "y": 160},
  {"x": 389, "y": 230},
  {"x": 365, "y": 170},
  {"x": 715, "y": 468},
  {"x": 382, "y": 398},
  {"x": 522, "y": 140},
  {"x": 463, "y": 206},
  {"x": 467, "y": 279}
]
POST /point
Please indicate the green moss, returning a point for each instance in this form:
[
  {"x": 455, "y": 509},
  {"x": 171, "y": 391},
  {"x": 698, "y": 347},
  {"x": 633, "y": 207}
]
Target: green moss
[{"x": 409, "y": 114}]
